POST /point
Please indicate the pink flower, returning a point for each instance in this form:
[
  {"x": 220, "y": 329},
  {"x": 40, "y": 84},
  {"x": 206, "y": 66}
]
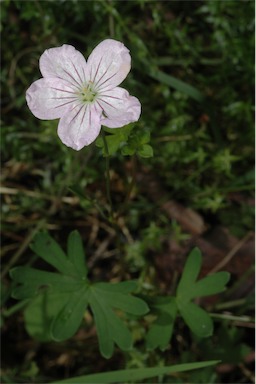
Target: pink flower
[{"x": 84, "y": 95}]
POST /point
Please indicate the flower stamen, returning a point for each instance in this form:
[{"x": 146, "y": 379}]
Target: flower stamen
[{"x": 87, "y": 94}]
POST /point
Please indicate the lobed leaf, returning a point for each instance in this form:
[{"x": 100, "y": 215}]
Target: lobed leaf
[
  {"x": 120, "y": 333},
  {"x": 190, "y": 273},
  {"x": 68, "y": 320},
  {"x": 121, "y": 287},
  {"x": 160, "y": 332},
  {"x": 106, "y": 343},
  {"x": 210, "y": 285},
  {"x": 196, "y": 319},
  {"x": 76, "y": 255},
  {"x": 123, "y": 301},
  {"x": 33, "y": 280},
  {"x": 50, "y": 251},
  {"x": 110, "y": 328},
  {"x": 40, "y": 313}
]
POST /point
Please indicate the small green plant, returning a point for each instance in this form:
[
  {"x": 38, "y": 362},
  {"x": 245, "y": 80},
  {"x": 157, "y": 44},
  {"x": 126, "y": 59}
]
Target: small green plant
[
  {"x": 58, "y": 302},
  {"x": 167, "y": 308},
  {"x": 61, "y": 298}
]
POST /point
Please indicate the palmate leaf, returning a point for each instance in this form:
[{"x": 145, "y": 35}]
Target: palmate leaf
[
  {"x": 61, "y": 299},
  {"x": 189, "y": 288},
  {"x": 166, "y": 308},
  {"x": 195, "y": 317},
  {"x": 104, "y": 297}
]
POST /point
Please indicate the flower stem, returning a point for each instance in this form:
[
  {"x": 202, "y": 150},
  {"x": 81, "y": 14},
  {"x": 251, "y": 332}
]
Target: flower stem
[
  {"x": 130, "y": 186},
  {"x": 107, "y": 173}
]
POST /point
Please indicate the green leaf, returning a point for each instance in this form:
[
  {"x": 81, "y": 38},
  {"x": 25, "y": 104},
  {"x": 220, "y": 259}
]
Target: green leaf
[
  {"x": 122, "y": 287},
  {"x": 146, "y": 151},
  {"x": 210, "y": 285},
  {"x": 50, "y": 251},
  {"x": 160, "y": 332},
  {"x": 40, "y": 313},
  {"x": 116, "y": 138},
  {"x": 126, "y": 150},
  {"x": 189, "y": 274},
  {"x": 106, "y": 342},
  {"x": 142, "y": 137},
  {"x": 68, "y": 320},
  {"x": 62, "y": 320},
  {"x": 33, "y": 280},
  {"x": 177, "y": 84},
  {"x": 76, "y": 253},
  {"x": 110, "y": 328},
  {"x": 120, "y": 333},
  {"x": 123, "y": 301},
  {"x": 196, "y": 319},
  {"x": 136, "y": 374}
]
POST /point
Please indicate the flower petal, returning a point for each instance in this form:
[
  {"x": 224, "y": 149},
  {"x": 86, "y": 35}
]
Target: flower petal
[
  {"x": 80, "y": 126},
  {"x": 64, "y": 62},
  {"x": 119, "y": 108},
  {"x": 49, "y": 98},
  {"x": 109, "y": 64}
]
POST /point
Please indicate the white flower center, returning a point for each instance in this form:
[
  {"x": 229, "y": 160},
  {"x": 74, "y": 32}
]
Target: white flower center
[{"x": 87, "y": 93}]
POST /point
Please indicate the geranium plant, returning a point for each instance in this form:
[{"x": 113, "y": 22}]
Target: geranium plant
[{"x": 85, "y": 96}]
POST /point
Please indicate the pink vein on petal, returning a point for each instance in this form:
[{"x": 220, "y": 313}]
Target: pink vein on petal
[
  {"x": 104, "y": 101},
  {"x": 77, "y": 73},
  {"x": 73, "y": 118},
  {"x": 83, "y": 117},
  {"x": 68, "y": 81},
  {"x": 97, "y": 70},
  {"x": 84, "y": 74},
  {"x": 97, "y": 101},
  {"x": 72, "y": 78},
  {"x": 68, "y": 102},
  {"x": 106, "y": 71},
  {"x": 107, "y": 80},
  {"x": 62, "y": 90},
  {"x": 112, "y": 97},
  {"x": 63, "y": 98}
]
